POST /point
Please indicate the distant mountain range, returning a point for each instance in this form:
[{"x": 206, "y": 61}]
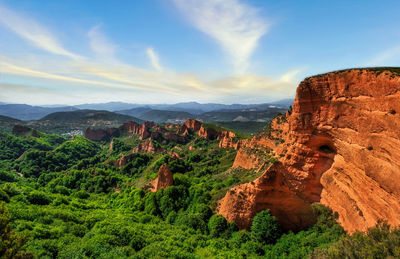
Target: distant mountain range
[
  {"x": 73, "y": 120},
  {"x": 28, "y": 112}
]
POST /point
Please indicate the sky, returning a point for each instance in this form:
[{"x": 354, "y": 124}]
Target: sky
[{"x": 168, "y": 51}]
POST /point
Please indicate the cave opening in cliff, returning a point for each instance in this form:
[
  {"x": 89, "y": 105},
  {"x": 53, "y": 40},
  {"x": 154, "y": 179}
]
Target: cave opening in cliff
[{"x": 326, "y": 149}]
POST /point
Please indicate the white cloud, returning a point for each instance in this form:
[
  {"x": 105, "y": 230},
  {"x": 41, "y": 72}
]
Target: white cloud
[
  {"x": 33, "y": 32},
  {"x": 236, "y": 26},
  {"x": 154, "y": 60},
  {"x": 100, "y": 45}
]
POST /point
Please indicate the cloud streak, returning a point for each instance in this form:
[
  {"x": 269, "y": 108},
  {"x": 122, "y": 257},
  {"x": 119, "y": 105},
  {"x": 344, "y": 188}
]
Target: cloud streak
[
  {"x": 236, "y": 27},
  {"x": 154, "y": 60},
  {"x": 32, "y": 32}
]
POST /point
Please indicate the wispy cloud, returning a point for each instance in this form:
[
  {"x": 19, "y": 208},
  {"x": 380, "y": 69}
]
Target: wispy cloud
[
  {"x": 154, "y": 60},
  {"x": 237, "y": 27},
  {"x": 33, "y": 32},
  {"x": 100, "y": 45},
  {"x": 12, "y": 69},
  {"x": 391, "y": 55}
]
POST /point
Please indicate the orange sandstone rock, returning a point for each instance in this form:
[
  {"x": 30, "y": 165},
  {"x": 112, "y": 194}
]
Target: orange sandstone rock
[
  {"x": 193, "y": 124},
  {"x": 147, "y": 147},
  {"x": 164, "y": 179},
  {"x": 340, "y": 146}
]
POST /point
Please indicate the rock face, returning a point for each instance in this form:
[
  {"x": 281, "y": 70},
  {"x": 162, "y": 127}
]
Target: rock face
[
  {"x": 207, "y": 133},
  {"x": 226, "y": 139},
  {"x": 193, "y": 124},
  {"x": 340, "y": 146},
  {"x": 147, "y": 147},
  {"x": 164, "y": 179},
  {"x": 139, "y": 129}
]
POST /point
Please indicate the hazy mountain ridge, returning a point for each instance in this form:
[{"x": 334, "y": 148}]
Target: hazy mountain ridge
[{"x": 28, "y": 112}]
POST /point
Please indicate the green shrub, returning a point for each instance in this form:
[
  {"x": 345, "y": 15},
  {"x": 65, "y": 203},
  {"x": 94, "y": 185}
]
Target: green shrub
[
  {"x": 217, "y": 225},
  {"x": 7, "y": 177},
  {"x": 4, "y": 196},
  {"x": 39, "y": 198},
  {"x": 82, "y": 194},
  {"x": 265, "y": 227}
]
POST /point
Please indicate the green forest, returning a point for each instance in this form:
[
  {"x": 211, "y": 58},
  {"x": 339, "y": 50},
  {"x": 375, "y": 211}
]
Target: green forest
[{"x": 65, "y": 198}]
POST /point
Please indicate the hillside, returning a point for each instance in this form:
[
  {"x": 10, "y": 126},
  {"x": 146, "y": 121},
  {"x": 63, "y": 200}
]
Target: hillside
[
  {"x": 241, "y": 115},
  {"x": 77, "y": 121},
  {"x": 7, "y": 123}
]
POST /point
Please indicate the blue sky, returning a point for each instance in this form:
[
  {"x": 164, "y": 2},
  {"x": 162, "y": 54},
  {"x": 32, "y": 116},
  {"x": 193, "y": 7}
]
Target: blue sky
[{"x": 167, "y": 51}]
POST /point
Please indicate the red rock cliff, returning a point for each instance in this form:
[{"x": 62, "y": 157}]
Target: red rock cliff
[{"x": 341, "y": 147}]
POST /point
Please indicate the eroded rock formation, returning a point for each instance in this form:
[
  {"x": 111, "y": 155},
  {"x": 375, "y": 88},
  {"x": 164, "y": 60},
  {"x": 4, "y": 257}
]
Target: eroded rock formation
[
  {"x": 164, "y": 179},
  {"x": 340, "y": 146},
  {"x": 139, "y": 129},
  {"x": 147, "y": 147}
]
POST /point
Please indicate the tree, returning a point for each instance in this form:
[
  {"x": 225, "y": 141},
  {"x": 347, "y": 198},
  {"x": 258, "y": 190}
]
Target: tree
[
  {"x": 217, "y": 225},
  {"x": 265, "y": 228}
]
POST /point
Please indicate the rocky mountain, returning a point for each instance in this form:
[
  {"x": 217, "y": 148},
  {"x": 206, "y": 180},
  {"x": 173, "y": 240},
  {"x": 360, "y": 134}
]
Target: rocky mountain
[{"x": 340, "y": 146}]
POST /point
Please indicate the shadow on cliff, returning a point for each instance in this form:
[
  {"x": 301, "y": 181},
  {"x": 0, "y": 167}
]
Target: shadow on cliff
[
  {"x": 323, "y": 154},
  {"x": 289, "y": 199}
]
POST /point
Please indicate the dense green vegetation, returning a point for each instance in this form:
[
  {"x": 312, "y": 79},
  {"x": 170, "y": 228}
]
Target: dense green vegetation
[{"x": 65, "y": 199}]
